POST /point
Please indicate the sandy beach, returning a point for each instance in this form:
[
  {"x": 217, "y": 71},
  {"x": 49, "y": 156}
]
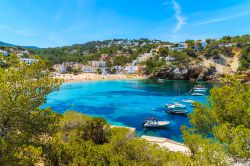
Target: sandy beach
[{"x": 93, "y": 77}]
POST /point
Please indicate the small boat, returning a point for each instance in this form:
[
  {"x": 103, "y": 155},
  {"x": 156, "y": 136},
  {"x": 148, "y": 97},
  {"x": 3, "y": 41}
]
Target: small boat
[
  {"x": 154, "y": 123},
  {"x": 188, "y": 101},
  {"x": 175, "y": 105},
  {"x": 200, "y": 89},
  {"x": 177, "y": 111},
  {"x": 197, "y": 94},
  {"x": 160, "y": 80}
]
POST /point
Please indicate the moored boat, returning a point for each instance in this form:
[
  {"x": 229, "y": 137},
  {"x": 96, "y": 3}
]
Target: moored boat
[
  {"x": 197, "y": 94},
  {"x": 200, "y": 89},
  {"x": 188, "y": 101},
  {"x": 160, "y": 80},
  {"x": 175, "y": 105},
  {"x": 177, "y": 111},
  {"x": 154, "y": 123}
]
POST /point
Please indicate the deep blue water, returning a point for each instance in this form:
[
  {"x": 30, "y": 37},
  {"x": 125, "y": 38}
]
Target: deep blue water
[{"x": 127, "y": 102}]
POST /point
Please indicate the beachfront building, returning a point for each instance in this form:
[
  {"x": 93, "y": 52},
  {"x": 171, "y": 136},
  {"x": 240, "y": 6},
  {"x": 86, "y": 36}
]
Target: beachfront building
[
  {"x": 28, "y": 60},
  {"x": 88, "y": 69},
  {"x": 131, "y": 69},
  {"x": 98, "y": 64},
  {"x": 104, "y": 72},
  {"x": 118, "y": 69}
]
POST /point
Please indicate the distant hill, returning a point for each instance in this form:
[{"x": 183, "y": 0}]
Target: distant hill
[
  {"x": 12, "y": 45},
  {"x": 6, "y": 44},
  {"x": 31, "y": 47}
]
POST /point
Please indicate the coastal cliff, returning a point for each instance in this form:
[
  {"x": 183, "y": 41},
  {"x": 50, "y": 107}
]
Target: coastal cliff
[{"x": 205, "y": 69}]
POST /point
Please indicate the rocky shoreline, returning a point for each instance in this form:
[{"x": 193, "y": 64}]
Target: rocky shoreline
[
  {"x": 191, "y": 73},
  {"x": 196, "y": 73}
]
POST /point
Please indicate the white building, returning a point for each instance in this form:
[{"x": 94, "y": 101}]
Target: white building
[
  {"x": 118, "y": 67},
  {"x": 5, "y": 53},
  {"x": 28, "y": 60},
  {"x": 130, "y": 69},
  {"x": 88, "y": 69},
  {"x": 104, "y": 72},
  {"x": 98, "y": 64}
]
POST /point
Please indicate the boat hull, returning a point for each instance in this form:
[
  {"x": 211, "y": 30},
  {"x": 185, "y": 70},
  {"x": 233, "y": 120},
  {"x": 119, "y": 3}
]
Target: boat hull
[
  {"x": 178, "y": 112},
  {"x": 155, "y": 126},
  {"x": 160, "y": 124},
  {"x": 197, "y": 94}
]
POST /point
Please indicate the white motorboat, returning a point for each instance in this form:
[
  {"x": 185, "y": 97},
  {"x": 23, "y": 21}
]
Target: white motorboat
[
  {"x": 154, "y": 123},
  {"x": 161, "y": 80},
  {"x": 200, "y": 89},
  {"x": 175, "y": 105},
  {"x": 177, "y": 111},
  {"x": 197, "y": 94},
  {"x": 188, "y": 101}
]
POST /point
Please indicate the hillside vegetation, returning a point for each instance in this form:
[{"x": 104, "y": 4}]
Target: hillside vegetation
[
  {"x": 191, "y": 60},
  {"x": 30, "y": 135}
]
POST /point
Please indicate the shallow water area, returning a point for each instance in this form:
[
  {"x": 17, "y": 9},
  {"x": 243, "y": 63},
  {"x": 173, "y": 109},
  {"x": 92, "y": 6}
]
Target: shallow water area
[{"x": 127, "y": 102}]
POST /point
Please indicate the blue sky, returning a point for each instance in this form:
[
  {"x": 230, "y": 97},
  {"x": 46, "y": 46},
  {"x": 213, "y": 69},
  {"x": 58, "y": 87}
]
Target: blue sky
[{"x": 49, "y": 23}]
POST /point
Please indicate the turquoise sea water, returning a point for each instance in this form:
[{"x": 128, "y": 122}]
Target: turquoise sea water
[{"x": 127, "y": 102}]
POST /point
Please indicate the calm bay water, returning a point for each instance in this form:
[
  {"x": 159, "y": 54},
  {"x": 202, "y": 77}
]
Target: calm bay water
[{"x": 127, "y": 102}]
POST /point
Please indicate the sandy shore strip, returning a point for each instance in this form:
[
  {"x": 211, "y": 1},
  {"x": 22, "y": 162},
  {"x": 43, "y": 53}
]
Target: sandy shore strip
[
  {"x": 94, "y": 77},
  {"x": 171, "y": 145}
]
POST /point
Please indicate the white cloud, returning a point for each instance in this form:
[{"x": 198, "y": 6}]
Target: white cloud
[
  {"x": 180, "y": 19},
  {"x": 220, "y": 19}
]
